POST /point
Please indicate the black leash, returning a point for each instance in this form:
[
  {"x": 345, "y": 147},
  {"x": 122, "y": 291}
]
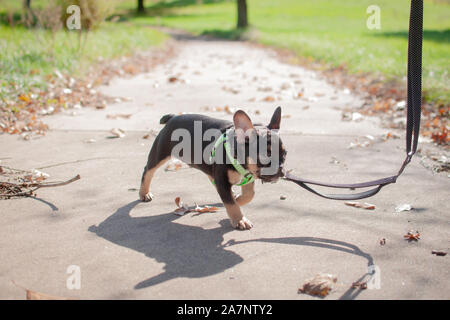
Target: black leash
[{"x": 414, "y": 98}]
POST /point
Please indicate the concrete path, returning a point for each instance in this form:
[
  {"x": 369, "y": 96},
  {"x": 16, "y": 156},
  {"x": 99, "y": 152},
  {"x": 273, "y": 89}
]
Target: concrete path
[{"x": 130, "y": 250}]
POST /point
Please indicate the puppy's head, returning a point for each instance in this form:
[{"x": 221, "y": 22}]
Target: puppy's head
[{"x": 259, "y": 147}]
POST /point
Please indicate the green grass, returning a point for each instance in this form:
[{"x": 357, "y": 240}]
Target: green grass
[
  {"x": 331, "y": 31},
  {"x": 28, "y": 55}
]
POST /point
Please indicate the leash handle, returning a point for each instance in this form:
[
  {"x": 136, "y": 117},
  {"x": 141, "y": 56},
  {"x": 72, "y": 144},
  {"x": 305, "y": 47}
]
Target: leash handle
[{"x": 414, "y": 109}]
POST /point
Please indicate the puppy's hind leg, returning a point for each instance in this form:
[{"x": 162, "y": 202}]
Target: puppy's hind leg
[{"x": 155, "y": 160}]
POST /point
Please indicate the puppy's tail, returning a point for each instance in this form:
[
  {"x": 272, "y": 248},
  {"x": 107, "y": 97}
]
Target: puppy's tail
[{"x": 166, "y": 118}]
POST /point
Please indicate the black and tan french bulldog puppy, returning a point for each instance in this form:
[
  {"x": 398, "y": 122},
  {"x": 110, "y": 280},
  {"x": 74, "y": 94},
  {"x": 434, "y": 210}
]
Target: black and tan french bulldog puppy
[{"x": 230, "y": 153}]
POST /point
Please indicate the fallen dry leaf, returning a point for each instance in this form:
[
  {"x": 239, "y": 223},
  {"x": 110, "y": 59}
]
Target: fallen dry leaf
[
  {"x": 232, "y": 90},
  {"x": 382, "y": 241},
  {"x": 229, "y": 110},
  {"x": 118, "y": 115},
  {"x": 320, "y": 285},
  {"x": 101, "y": 105},
  {"x": 34, "y": 295},
  {"x": 403, "y": 207},
  {"x": 439, "y": 253},
  {"x": 412, "y": 236},
  {"x": 118, "y": 133},
  {"x": 175, "y": 165},
  {"x": 364, "y": 205},
  {"x": 269, "y": 99},
  {"x": 359, "y": 285},
  {"x": 182, "y": 208},
  {"x": 205, "y": 209}
]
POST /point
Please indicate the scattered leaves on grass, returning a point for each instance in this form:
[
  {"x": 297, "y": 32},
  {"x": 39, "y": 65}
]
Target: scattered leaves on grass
[
  {"x": 412, "y": 236},
  {"x": 22, "y": 110},
  {"x": 385, "y": 99},
  {"x": 364, "y": 205},
  {"x": 320, "y": 285}
]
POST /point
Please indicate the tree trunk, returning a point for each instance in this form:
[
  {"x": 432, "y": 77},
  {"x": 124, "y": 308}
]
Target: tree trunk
[
  {"x": 27, "y": 4},
  {"x": 140, "y": 7},
  {"x": 242, "y": 14}
]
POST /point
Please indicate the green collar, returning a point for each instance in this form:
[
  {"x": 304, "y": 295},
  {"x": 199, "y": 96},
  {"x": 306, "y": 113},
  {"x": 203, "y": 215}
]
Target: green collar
[{"x": 247, "y": 177}]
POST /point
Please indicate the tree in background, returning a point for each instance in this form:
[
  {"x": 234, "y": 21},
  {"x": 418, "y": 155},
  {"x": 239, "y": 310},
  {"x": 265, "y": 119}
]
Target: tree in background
[
  {"x": 28, "y": 13},
  {"x": 242, "y": 14},
  {"x": 140, "y": 7}
]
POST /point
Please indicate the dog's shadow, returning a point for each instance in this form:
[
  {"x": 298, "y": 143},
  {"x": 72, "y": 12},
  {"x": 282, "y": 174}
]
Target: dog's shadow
[
  {"x": 187, "y": 251},
  {"x": 190, "y": 251}
]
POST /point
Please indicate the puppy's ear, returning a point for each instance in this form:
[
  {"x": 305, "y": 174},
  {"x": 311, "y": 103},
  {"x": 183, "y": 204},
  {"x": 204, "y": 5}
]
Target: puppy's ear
[
  {"x": 242, "y": 125},
  {"x": 276, "y": 119}
]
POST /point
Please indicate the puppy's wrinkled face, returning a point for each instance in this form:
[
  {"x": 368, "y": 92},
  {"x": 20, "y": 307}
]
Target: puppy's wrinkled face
[{"x": 260, "y": 146}]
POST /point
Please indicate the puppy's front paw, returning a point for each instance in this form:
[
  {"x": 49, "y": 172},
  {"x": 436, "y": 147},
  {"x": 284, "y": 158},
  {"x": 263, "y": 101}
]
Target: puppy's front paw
[
  {"x": 146, "y": 197},
  {"x": 243, "y": 224}
]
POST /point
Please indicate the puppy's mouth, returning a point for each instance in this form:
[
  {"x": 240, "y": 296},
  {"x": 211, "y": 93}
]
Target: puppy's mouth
[
  {"x": 265, "y": 180},
  {"x": 270, "y": 179}
]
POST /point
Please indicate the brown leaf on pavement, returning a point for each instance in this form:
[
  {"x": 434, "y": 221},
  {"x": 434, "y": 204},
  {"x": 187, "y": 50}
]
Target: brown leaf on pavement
[
  {"x": 205, "y": 209},
  {"x": 119, "y": 115},
  {"x": 412, "y": 236},
  {"x": 359, "y": 285},
  {"x": 364, "y": 205},
  {"x": 118, "y": 133},
  {"x": 182, "y": 208},
  {"x": 269, "y": 99},
  {"x": 34, "y": 295},
  {"x": 439, "y": 253},
  {"x": 320, "y": 285}
]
